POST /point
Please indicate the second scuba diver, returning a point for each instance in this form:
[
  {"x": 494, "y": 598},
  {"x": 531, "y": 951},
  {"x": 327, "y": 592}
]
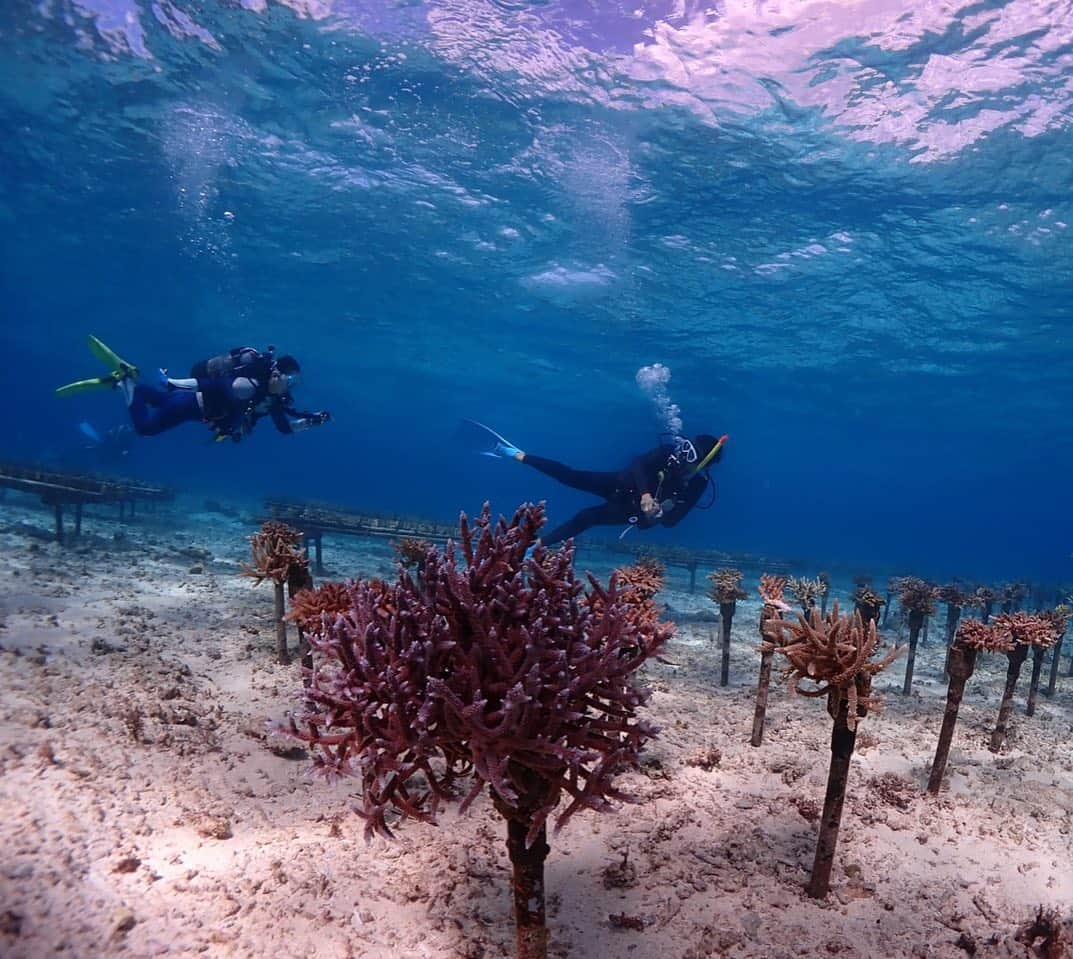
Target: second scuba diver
[
  {"x": 229, "y": 393},
  {"x": 658, "y": 487}
]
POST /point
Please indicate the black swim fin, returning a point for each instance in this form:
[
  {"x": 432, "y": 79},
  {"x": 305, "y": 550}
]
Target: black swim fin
[{"x": 482, "y": 439}]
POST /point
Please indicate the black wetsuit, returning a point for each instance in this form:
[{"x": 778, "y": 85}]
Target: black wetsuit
[
  {"x": 230, "y": 405},
  {"x": 651, "y": 472}
]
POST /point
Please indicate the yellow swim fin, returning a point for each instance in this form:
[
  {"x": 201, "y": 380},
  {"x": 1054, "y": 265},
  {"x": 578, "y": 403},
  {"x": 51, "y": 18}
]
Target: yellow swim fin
[
  {"x": 113, "y": 361},
  {"x": 84, "y": 386}
]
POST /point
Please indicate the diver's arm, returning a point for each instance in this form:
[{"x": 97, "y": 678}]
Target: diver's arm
[
  {"x": 642, "y": 471},
  {"x": 694, "y": 491},
  {"x": 184, "y": 383},
  {"x": 289, "y": 420}
]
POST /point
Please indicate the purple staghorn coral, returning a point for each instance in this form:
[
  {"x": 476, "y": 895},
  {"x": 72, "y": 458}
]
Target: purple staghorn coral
[{"x": 502, "y": 671}]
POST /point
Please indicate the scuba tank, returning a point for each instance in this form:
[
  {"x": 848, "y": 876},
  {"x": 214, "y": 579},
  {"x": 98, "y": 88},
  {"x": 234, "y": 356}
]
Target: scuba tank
[
  {"x": 238, "y": 361},
  {"x": 215, "y": 376}
]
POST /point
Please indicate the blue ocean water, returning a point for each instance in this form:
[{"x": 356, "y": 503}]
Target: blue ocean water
[{"x": 845, "y": 231}]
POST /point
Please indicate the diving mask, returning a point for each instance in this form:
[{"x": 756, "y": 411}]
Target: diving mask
[{"x": 684, "y": 452}]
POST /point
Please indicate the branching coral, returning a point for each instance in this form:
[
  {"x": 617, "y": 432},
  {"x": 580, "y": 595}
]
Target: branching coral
[
  {"x": 1027, "y": 628},
  {"x": 916, "y": 595},
  {"x": 499, "y": 672},
  {"x": 278, "y": 556},
  {"x": 1038, "y": 632},
  {"x": 806, "y": 591},
  {"x": 771, "y": 592},
  {"x": 726, "y": 586},
  {"x": 953, "y": 595},
  {"x": 1026, "y": 632},
  {"x": 982, "y": 637},
  {"x": 985, "y": 601},
  {"x": 638, "y": 586},
  {"x": 411, "y": 551},
  {"x": 644, "y": 579},
  {"x": 276, "y": 550},
  {"x": 868, "y": 602},
  {"x": 956, "y": 600},
  {"x": 652, "y": 565},
  {"x": 1047, "y": 935},
  {"x": 1012, "y": 595},
  {"x": 726, "y": 591},
  {"x": 310, "y": 606},
  {"x": 1058, "y": 618},
  {"x": 833, "y": 654}
]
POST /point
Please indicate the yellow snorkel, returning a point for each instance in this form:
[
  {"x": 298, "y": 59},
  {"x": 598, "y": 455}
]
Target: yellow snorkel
[{"x": 711, "y": 453}]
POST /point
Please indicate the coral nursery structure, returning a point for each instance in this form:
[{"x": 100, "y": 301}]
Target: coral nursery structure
[
  {"x": 771, "y": 592},
  {"x": 985, "y": 600},
  {"x": 868, "y": 603},
  {"x": 833, "y": 656},
  {"x": 1025, "y": 632},
  {"x": 1058, "y": 619},
  {"x": 825, "y": 579},
  {"x": 972, "y": 637},
  {"x": 1063, "y": 610},
  {"x": 918, "y": 599},
  {"x": 956, "y": 600},
  {"x": 278, "y": 556},
  {"x": 638, "y": 585},
  {"x": 503, "y": 672},
  {"x": 806, "y": 591},
  {"x": 726, "y": 591},
  {"x": 411, "y": 552},
  {"x": 1011, "y": 595}
]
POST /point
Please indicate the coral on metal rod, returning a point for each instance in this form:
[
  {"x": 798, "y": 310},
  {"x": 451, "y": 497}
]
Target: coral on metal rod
[
  {"x": 1058, "y": 618},
  {"x": 726, "y": 591},
  {"x": 498, "y": 671},
  {"x": 806, "y": 591},
  {"x": 918, "y": 600},
  {"x": 833, "y": 656},
  {"x": 972, "y": 637},
  {"x": 868, "y": 603},
  {"x": 1063, "y": 610},
  {"x": 771, "y": 592},
  {"x": 1025, "y": 632},
  {"x": 278, "y": 556}
]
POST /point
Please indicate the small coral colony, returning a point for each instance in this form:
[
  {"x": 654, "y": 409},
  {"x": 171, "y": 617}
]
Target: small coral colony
[{"x": 492, "y": 664}]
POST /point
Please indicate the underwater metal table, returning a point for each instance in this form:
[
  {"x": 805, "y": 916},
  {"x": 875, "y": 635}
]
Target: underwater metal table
[{"x": 73, "y": 489}]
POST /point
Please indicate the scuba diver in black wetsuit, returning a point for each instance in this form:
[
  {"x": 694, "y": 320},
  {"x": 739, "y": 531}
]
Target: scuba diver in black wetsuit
[
  {"x": 229, "y": 393},
  {"x": 657, "y": 488}
]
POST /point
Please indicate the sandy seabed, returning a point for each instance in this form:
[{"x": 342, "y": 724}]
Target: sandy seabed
[{"x": 146, "y": 810}]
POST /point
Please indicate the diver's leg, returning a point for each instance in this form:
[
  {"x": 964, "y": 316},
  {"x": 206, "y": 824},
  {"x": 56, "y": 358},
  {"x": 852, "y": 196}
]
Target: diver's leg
[
  {"x": 607, "y": 514},
  {"x": 588, "y": 481},
  {"x": 153, "y": 411}
]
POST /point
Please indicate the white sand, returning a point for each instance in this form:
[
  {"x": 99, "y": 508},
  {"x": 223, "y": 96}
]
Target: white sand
[{"x": 145, "y": 810}]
